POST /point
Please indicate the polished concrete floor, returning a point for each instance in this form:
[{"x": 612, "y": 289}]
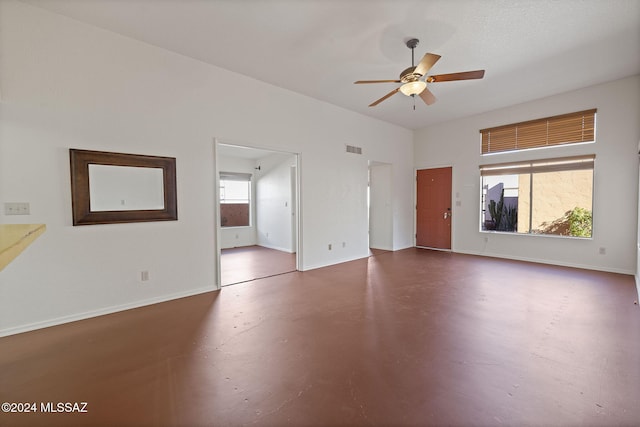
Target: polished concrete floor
[
  {"x": 245, "y": 263},
  {"x": 412, "y": 337}
]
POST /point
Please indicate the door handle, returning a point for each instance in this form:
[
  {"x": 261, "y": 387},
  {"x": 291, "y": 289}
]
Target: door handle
[{"x": 446, "y": 215}]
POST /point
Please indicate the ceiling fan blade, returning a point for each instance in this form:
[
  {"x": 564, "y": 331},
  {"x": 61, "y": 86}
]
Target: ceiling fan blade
[
  {"x": 428, "y": 97},
  {"x": 359, "y": 82},
  {"x": 467, "y": 75},
  {"x": 393, "y": 92},
  {"x": 426, "y": 63}
]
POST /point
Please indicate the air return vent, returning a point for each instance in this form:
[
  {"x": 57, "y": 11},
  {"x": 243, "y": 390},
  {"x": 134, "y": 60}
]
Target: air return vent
[{"x": 353, "y": 149}]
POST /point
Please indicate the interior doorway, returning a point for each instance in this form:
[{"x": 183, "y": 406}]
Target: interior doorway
[
  {"x": 433, "y": 208},
  {"x": 380, "y": 206},
  {"x": 256, "y": 201}
]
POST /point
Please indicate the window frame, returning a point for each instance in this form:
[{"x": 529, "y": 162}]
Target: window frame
[
  {"x": 238, "y": 177},
  {"x": 531, "y": 167}
]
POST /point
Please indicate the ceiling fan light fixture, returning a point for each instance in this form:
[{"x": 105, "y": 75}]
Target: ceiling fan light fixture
[{"x": 413, "y": 88}]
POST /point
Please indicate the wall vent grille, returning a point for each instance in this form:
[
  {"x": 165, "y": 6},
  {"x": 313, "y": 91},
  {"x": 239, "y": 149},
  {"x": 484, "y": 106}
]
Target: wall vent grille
[{"x": 353, "y": 149}]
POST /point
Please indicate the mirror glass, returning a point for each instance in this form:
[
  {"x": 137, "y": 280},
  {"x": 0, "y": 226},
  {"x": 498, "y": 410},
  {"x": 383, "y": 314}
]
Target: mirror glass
[
  {"x": 111, "y": 188},
  {"x": 125, "y": 188}
]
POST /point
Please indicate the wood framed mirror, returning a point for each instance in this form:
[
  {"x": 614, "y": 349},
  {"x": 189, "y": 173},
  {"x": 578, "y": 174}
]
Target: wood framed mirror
[{"x": 109, "y": 188}]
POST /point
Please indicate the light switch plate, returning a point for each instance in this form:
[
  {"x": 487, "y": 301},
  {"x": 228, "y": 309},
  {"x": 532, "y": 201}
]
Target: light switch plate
[{"x": 16, "y": 208}]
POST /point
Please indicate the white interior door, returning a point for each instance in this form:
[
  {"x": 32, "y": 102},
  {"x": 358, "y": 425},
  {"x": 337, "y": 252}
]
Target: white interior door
[{"x": 380, "y": 206}]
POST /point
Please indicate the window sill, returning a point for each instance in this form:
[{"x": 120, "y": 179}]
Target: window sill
[{"x": 553, "y": 236}]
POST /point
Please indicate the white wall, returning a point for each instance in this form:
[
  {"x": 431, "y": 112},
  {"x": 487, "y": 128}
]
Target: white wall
[
  {"x": 615, "y": 207},
  {"x": 232, "y": 237},
  {"x": 66, "y": 84},
  {"x": 274, "y": 202}
]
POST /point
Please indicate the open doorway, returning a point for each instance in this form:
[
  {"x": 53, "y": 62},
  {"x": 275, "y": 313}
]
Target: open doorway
[
  {"x": 257, "y": 221},
  {"x": 380, "y": 208}
]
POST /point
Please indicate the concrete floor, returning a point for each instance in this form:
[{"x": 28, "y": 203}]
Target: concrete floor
[{"x": 413, "y": 337}]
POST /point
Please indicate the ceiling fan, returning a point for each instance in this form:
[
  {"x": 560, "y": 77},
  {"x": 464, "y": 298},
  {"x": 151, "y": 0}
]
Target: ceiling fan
[{"x": 414, "y": 80}]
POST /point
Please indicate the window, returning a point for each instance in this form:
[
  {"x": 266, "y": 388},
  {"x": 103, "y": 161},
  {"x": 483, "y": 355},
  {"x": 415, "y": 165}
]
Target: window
[
  {"x": 551, "y": 197},
  {"x": 547, "y": 132},
  {"x": 235, "y": 199}
]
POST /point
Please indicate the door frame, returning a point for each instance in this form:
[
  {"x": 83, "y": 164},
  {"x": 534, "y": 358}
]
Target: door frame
[
  {"x": 297, "y": 223},
  {"x": 415, "y": 205}
]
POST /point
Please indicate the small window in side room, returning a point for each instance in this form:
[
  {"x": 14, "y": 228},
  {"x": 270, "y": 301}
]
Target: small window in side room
[
  {"x": 235, "y": 199},
  {"x": 550, "y": 197}
]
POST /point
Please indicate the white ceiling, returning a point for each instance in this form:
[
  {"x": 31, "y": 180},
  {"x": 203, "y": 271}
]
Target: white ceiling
[{"x": 529, "y": 48}]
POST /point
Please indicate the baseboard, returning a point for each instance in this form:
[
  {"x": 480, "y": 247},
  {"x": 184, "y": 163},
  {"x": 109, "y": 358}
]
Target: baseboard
[
  {"x": 322, "y": 265},
  {"x": 401, "y": 248},
  {"x": 638, "y": 287},
  {"x": 101, "y": 312},
  {"x": 387, "y": 248},
  {"x": 546, "y": 261},
  {"x": 329, "y": 264},
  {"x": 434, "y": 249},
  {"x": 277, "y": 248}
]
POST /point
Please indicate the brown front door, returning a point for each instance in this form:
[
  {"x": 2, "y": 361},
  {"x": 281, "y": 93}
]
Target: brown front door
[{"x": 433, "y": 209}]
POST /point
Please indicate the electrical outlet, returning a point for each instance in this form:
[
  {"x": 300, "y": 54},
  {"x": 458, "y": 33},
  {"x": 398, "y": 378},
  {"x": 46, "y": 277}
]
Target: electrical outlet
[
  {"x": 602, "y": 251},
  {"x": 329, "y": 246},
  {"x": 20, "y": 208},
  {"x": 344, "y": 244},
  {"x": 144, "y": 276}
]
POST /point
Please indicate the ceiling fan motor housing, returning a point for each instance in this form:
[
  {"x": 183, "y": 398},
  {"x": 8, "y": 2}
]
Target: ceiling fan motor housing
[{"x": 408, "y": 75}]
